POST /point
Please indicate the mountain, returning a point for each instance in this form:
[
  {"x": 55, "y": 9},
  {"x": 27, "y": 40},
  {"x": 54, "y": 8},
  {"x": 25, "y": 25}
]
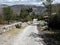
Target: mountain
[
  {"x": 17, "y": 8},
  {"x": 36, "y": 9}
]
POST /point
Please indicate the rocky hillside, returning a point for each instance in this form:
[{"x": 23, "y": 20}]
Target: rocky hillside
[
  {"x": 36, "y": 9},
  {"x": 17, "y": 8}
]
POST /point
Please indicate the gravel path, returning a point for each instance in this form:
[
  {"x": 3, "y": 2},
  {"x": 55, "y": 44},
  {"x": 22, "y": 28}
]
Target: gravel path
[{"x": 27, "y": 37}]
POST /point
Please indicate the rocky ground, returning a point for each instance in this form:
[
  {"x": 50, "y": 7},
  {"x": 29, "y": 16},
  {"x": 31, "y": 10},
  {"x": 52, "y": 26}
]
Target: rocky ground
[
  {"x": 51, "y": 37},
  {"x": 29, "y": 36},
  {"x": 6, "y": 38}
]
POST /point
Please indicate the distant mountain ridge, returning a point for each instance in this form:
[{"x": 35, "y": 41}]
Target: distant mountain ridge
[
  {"x": 36, "y": 9},
  {"x": 17, "y": 8}
]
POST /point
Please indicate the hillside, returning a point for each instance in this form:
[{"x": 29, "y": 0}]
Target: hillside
[
  {"x": 36, "y": 9},
  {"x": 17, "y": 8}
]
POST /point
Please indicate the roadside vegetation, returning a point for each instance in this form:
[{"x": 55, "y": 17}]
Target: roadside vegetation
[
  {"x": 26, "y": 15},
  {"x": 53, "y": 24}
]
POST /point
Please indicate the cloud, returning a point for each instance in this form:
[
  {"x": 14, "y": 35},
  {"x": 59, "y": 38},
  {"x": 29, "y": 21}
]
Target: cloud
[
  {"x": 26, "y": 2},
  {"x": 56, "y": 1},
  {"x": 9, "y": 0}
]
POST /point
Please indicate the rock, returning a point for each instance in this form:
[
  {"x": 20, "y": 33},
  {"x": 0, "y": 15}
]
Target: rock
[
  {"x": 44, "y": 27},
  {"x": 35, "y": 20},
  {"x": 9, "y": 27},
  {"x": 29, "y": 22},
  {"x": 24, "y": 24}
]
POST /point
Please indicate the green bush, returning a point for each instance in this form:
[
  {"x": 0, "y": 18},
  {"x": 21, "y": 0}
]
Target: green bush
[
  {"x": 54, "y": 21},
  {"x": 18, "y": 26}
]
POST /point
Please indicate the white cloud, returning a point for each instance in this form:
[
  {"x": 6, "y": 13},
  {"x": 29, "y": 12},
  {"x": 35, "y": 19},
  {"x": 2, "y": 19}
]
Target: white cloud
[
  {"x": 27, "y": 2},
  {"x": 56, "y": 1},
  {"x": 12, "y": 0}
]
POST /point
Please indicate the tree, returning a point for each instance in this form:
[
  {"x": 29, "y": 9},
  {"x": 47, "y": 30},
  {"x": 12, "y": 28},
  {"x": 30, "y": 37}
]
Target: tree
[
  {"x": 1, "y": 18},
  {"x": 23, "y": 14},
  {"x": 15, "y": 17},
  {"x": 8, "y": 12},
  {"x": 30, "y": 10},
  {"x": 48, "y": 6},
  {"x": 29, "y": 18}
]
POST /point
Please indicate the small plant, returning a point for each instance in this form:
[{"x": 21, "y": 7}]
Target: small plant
[{"x": 17, "y": 26}]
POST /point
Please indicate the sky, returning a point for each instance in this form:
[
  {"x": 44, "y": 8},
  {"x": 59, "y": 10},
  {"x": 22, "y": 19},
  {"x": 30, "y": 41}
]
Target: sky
[{"x": 26, "y": 2}]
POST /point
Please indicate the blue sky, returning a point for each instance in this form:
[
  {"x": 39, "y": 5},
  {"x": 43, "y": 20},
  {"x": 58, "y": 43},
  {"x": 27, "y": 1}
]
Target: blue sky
[{"x": 26, "y": 2}]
